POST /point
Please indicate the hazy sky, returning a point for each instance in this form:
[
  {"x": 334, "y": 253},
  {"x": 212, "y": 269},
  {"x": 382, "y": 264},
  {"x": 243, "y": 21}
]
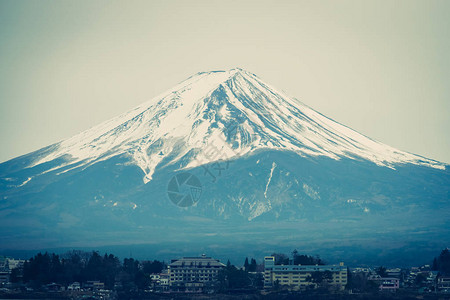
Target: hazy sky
[{"x": 379, "y": 67}]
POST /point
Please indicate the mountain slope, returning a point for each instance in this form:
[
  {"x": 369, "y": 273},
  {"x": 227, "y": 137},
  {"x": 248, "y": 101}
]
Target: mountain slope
[
  {"x": 268, "y": 165},
  {"x": 231, "y": 112}
]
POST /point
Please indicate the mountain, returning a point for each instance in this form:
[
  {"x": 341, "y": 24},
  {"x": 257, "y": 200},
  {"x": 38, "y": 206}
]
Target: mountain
[{"x": 223, "y": 159}]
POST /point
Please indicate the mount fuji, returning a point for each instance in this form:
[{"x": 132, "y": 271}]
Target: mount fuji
[{"x": 225, "y": 163}]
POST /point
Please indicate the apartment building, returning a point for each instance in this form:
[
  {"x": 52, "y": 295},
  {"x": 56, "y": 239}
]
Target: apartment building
[{"x": 298, "y": 277}]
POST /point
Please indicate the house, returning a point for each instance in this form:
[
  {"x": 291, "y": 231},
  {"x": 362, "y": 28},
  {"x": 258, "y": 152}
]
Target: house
[{"x": 297, "y": 277}]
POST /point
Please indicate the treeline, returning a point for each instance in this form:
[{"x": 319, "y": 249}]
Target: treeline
[
  {"x": 442, "y": 262},
  {"x": 79, "y": 266},
  {"x": 127, "y": 275},
  {"x": 250, "y": 267},
  {"x": 297, "y": 259},
  {"x": 232, "y": 278}
]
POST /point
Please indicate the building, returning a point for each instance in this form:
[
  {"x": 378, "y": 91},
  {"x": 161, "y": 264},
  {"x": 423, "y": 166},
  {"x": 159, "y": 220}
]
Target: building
[
  {"x": 443, "y": 284},
  {"x": 297, "y": 277},
  {"x": 193, "y": 273},
  {"x": 389, "y": 284},
  {"x": 94, "y": 285},
  {"x": 14, "y": 263},
  {"x": 164, "y": 280},
  {"x": 4, "y": 277},
  {"x": 394, "y": 273}
]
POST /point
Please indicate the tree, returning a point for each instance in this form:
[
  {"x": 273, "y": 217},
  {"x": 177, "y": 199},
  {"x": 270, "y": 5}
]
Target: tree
[
  {"x": 276, "y": 285},
  {"x": 443, "y": 262},
  {"x": 82, "y": 266},
  {"x": 280, "y": 259},
  {"x": 358, "y": 282},
  {"x": 319, "y": 277},
  {"x": 257, "y": 280},
  {"x": 222, "y": 280},
  {"x": 130, "y": 266},
  {"x": 232, "y": 278},
  {"x": 381, "y": 271},
  {"x": 435, "y": 265},
  {"x": 246, "y": 264},
  {"x": 73, "y": 265},
  {"x": 153, "y": 267},
  {"x": 37, "y": 269},
  {"x": 94, "y": 269},
  {"x": 111, "y": 267},
  {"x": 301, "y": 259},
  {"x": 252, "y": 266},
  {"x": 142, "y": 281},
  {"x": 420, "y": 278},
  {"x": 56, "y": 269},
  {"x": 14, "y": 277},
  {"x": 350, "y": 282}
]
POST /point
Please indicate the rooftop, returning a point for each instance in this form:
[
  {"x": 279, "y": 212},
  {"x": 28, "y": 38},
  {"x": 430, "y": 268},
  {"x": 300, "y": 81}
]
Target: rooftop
[{"x": 196, "y": 261}]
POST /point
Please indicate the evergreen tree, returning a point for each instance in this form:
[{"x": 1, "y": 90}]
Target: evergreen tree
[
  {"x": 14, "y": 277},
  {"x": 280, "y": 259},
  {"x": 442, "y": 262},
  {"x": 153, "y": 267},
  {"x": 246, "y": 264},
  {"x": 252, "y": 267},
  {"x": 435, "y": 265},
  {"x": 381, "y": 271}
]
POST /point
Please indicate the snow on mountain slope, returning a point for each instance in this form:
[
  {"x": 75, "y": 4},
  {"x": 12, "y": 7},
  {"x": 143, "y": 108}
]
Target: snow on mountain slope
[{"x": 220, "y": 115}]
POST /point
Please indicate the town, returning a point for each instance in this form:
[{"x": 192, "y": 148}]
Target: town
[{"x": 90, "y": 275}]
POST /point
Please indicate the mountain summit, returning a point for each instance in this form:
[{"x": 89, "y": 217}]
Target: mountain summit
[
  {"x": 180, "y": 125},
  {"x": 224, "y": 158}
]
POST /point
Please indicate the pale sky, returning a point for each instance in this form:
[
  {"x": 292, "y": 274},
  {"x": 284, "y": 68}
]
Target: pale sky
[{"x": 380, "y": 67}]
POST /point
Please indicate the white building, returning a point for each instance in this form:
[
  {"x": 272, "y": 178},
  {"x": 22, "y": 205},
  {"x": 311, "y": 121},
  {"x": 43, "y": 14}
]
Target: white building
[{"x": 192, "y": 273}]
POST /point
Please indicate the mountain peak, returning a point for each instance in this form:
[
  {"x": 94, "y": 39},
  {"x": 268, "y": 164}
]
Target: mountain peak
[
  {"x": 176, "y": 127},
  {"x": 229, "y": 72}
]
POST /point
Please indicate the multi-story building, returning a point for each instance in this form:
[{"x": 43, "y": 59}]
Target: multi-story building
[
  {"x": 443, "y": 284},
  {"x": 298, "y": 277},
  {"x": 4, "y": 277},
  {"x": 193, "y": 273}
]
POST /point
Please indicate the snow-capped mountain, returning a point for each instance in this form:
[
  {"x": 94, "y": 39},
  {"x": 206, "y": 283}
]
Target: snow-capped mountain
[
  {"x": 195, "y": 118},
  {"x": 257, "y": 163}
]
